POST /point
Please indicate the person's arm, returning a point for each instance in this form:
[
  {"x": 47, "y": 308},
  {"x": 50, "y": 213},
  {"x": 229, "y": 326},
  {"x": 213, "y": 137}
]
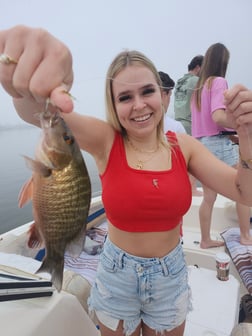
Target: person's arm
[
  {"x": 214, "y": 173},
  {"x": 221, "y": 118},
  {"x": 218, "y": 108},
  {"x": 235, "y": 184}
]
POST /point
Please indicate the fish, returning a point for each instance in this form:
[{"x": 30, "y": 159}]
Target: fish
[{"x": 60, "y": 191}]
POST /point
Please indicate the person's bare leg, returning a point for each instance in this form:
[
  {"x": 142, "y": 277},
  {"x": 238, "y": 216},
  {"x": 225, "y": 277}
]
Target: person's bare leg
[
  {"x": 243, "y": 214},
  {"x": 179, "y": 331},
  {"x": 205, "y": 217},
  {"x": 105, "y": 331}
]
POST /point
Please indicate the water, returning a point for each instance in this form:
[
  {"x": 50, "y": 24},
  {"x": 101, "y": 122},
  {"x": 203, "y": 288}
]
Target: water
[{"x": 16, "y": 142}]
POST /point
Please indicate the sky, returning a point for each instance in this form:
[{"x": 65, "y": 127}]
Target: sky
[{"x": 170, "y": 32}]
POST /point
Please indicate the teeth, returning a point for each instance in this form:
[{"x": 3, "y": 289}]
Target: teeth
[{"x": 143, "y": 118}]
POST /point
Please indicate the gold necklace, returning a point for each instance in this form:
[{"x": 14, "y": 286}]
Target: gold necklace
[{"x": 140, "y": 163}]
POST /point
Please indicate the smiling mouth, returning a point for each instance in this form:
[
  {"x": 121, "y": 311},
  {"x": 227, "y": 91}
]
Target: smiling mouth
[{"x": 143, "y": 118}]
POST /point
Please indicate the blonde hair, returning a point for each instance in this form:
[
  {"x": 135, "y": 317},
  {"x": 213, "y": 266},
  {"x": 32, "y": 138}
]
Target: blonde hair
[{"x": 120, "y": 62}]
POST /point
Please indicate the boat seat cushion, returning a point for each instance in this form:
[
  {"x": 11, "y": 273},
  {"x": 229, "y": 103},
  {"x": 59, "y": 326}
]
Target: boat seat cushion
[
  {"x": 78, "y": 286},
  {"x": 240, "y": 254},
  {"x": 242, "y": 329}
]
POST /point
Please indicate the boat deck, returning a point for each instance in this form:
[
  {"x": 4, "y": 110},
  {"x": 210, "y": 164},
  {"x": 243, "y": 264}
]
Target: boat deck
[
  {"x": 208, "y": 316},
  {"x": 224, "y": 217}
]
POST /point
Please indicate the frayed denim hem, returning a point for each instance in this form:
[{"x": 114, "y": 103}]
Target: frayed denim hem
[{"x": 129, "y": 326}]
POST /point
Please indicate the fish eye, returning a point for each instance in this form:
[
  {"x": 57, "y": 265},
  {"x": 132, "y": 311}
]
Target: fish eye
[{"x": 68, "y": 139}]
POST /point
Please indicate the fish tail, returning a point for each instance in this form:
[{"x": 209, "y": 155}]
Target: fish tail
[{"x": 55, "y": 268}]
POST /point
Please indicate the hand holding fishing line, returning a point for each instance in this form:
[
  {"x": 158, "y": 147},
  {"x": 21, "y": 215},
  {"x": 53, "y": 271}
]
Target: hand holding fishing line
[{"x": 35, "y": 73}]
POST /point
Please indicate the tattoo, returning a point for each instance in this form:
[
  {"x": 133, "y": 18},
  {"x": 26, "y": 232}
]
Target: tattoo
[
  {"x": 244, "y": 164},
  {"x": 238, "y": 186}
]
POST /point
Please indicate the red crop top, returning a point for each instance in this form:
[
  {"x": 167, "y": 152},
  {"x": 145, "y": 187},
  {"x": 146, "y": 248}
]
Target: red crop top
[{"x": 141, "y": 200}]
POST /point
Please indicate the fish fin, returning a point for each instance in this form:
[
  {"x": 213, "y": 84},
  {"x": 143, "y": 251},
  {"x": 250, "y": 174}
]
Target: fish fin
[
  {"x": 35, "y": 239},
  {"x": 26, "y": 193},
  {"x": 55, "y": 268},
  {"x": 75, "y": 247},
  {"x": 37, "y": 167}
]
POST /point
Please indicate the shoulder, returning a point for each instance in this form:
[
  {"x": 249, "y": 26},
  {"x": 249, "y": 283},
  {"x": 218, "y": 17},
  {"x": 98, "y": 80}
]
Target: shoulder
[
  {"x": 188, "y": 145},
  {"x": 181, "y": 81},
  {"x": 193, "y": 79},
  {"x": 179, "y": 139},
  {"x": 219, "y": 82},
  {"x": 182, "y": 78},
  {"x": 184, "y": 138}
]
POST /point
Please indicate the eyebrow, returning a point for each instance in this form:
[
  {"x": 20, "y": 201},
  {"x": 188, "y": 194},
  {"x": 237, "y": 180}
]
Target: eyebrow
[{"x": 142, "y": 88}]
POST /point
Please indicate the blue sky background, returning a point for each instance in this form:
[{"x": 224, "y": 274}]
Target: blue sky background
[{"x": 170, "y": 32}]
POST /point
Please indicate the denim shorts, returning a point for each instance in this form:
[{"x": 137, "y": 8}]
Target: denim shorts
[
  {"x": 222, "y": 147},
  {"x": 130, "y": 288}
]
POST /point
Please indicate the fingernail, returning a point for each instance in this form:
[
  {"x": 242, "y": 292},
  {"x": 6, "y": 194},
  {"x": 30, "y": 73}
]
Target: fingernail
[{"x": 69, "y": 94}]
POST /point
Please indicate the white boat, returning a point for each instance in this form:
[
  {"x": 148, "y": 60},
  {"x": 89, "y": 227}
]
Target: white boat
[{"x": 216, "y": 303}]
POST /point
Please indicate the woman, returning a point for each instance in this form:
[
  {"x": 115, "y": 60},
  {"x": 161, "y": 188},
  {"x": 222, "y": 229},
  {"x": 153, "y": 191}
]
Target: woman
[
  {"x": 209, "y": 121},
  {"x": 142, "y": 285}
]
